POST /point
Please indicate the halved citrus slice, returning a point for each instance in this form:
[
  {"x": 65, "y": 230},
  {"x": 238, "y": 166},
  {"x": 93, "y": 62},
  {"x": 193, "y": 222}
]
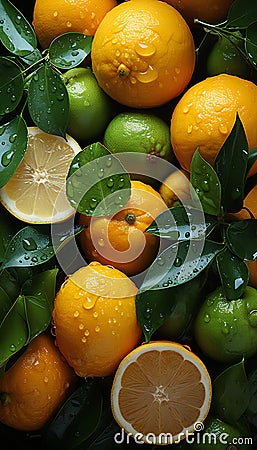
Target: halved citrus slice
[
  {"x": 161, "y": 391},
  {"x": 36, "y": 192}
]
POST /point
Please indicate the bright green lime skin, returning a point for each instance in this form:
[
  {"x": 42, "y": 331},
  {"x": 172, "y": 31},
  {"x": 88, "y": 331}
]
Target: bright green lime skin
[
  {"x": 226, "y": 330},
  {"x": 140, "y": 133},
  {"x": 224, "y": 57},
  {"x": 90, "y": 109}
]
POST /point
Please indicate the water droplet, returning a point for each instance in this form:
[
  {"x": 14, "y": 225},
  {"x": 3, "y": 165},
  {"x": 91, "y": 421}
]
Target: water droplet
[
  {"x": 2, "y": 130},
  {"x": 187, "y": 234},
  {"x": 46, "y": 380},
  {"x": 97, "y": 328},
  {"x": 13, "y": 138},
  {"x": 210, "y": 302},
  {"x": 121, "y": 182},
  {"x": 205, "y": 186},
  {"x": 101, "y": 242},
  {"x": 49, "y": 397},
  {"x": 207, "y": 318},
  {"x": 178, "y": 262},
  {"x": 177, "y": 70},
  {"x": 75, "y": 53},
  {"x": 95, "y": 314},
  {"x": 108, "y": 161},
  {"x": 76, "y": 313},
  {"x": 12, "y": 348},
  {"x": 29, "y": 244},
  {"x": 93, "y": 203},
  {"x": 86, "y": 333},
  {"x": 68, "y": 24},
  {"x": 84, "y": 339},
  {"x": 252, "y": 317},
  {"x": 225, "y": 328},
  {"x": 144, "y": 49},
  {"x": 7, "y": 158},
  {"x": 100, "y": 173},
  {"x": 13, "y": 98},
  {"x": 223, "y": 129},
  {"x": 114, "y": 320},
  {"x": 189, "y": 128},
  {"x": 113, "y": 333},
  {"x": 160, "y": 261},
  {"x": 81, "y": 326},
  {"x": 110, "y": 183},
  {"x": 149, "y": 75},
  {"x": 34, "y": 259},
  {"x": 89, "y": 303}
]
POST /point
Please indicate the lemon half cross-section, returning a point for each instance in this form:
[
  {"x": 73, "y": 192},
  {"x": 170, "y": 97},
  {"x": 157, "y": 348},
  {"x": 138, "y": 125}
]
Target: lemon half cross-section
[{"x": 36, "y": 192}]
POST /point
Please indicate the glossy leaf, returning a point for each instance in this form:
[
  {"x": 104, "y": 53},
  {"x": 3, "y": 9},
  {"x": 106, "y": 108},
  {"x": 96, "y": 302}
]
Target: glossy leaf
[
  {"x": 29, "y": 247},
  {"x": 11, "y": 85},
  {"x": 242, "y": 238},
  {"x": 13, "y": 330},
  {"x": 231, "y": 393},
  {"x": 13, "y": 146},
  {"x": 69, "y": 50},
  {"x": 155, "y": 306},
  {"x": 8, "y": 227},
  {"x": 180, "y": 263},
  {"x": 231, "y": 166},
  {"x": 77, "y": 418},
  {"x": 16, "y": 33},
  {"x": 48, "y": 101},
  {"x": 29, "y": 315},
  {"x": 242, "y": 13},
  {"x": 206, "y": 184},
  {"x": 234, "y": 274},
  {"x": 32, "y": 58},
  {"x": 97, "y": 183},
  {"x": 10, "y": 284},
  {"x": 182, "y": 223},
  {"x": 251, "y": 44},
  {"x": 5, "y": 303}
]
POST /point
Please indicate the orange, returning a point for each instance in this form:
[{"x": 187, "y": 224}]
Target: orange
[
  {"x": 95, "y": 319},
  {"x": 249, "y": 210},
  {"x": 206, "y": 113},
  {"x": 50, "y": 19},
  {"x": 120, "y": 240},
  {"x": 143, "y": 53},
  {"x": 176, "y": 187},
  {"x": 35, "y": 387},
  {"x": 252, "y": 266},
  {"x": 210, "y": 11},
  {"x": 160, "y": 391}
]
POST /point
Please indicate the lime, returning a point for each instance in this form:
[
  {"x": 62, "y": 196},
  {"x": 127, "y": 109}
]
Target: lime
[
  {"x": 226, "y": 330},
  {"x": 90, "y": 108},
  {"x": 220, "y": 435},
  {"x": 140, "y": 133},
  {"x": 226, "y": 56}
]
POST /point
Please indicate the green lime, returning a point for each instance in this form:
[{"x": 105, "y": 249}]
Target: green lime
[
  {"x": 219, "y": 435},
  {"x": 227, "y": 56},
  {"x": 226, "y": 330},
  {"x": 140, "y": 133},
  {"x": 90, "y": 108}
]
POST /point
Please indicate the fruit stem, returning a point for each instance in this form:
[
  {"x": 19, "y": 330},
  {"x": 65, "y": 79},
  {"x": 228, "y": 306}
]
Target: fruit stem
[
  {"x": 123, "y": 71},
  {"x": 130, "y": 218},
  {"x": 5, "y": 398}
]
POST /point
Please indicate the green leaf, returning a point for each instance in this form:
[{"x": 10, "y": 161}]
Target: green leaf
[
  {"x": 180, "y": 263},
  {"x": 231, "y": 165},
  {"x": 13, "y": 146},
  {"x": 251, "y": 44},
  {"x": 69, "y": 50},
  {"x": 242, "y": 238},
  {"x": 48, "y": 101},
  {"x": 155, "y": 306},
  {"x": 97, "y": 184},
  {"x": 231, "y": 393},
  {"x": 77, "y": 418},
  {"x": 242, "y": 13},
  {"x": 252, "y": 158},
  {"x": 11, "y": 85},
  {"x": 32, "y": 58},
  {"x": 252, "y": 385},
  {"x": 5, "y": 303},
  {"x": 39, "y": 302},
  {"x": 10, "y": 284},
  {"x": 8, "y": 227},
  {"x": 16, "y": 33},
  {"x": 206, "y": 184},
  {"x": 251, "y": 182},
  {"x": 29, "y": 247},
  {"x": 182, "y": 223},
  {"x": 13, "y": 330},
  {"x": 233, "y": 272}
]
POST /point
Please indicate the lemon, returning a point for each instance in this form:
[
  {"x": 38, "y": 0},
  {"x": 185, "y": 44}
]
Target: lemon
[
  {"x": 36, "y": 192},
  {"x": 140, "y": 133},
  {"x": 226, "y": 330},
  {"x": 90, "y": 108}
]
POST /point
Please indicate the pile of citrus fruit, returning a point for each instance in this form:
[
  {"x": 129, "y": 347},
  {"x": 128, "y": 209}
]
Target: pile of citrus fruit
[{"x": 87, "y": 370}]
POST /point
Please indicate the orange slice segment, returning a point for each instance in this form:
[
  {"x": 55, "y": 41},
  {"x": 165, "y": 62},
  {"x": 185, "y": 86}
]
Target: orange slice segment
[{"x": 160, "y": 391}]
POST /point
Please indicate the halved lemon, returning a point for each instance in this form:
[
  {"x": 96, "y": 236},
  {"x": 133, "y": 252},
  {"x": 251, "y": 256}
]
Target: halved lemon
[
  {"x": 36, "y": 192},
  {"x": 160, "y": 393}
]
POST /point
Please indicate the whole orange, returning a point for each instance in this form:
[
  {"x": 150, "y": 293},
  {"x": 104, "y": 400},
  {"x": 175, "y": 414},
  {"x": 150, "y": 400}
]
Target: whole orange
[
  {"x": 50, "y": 19},
  {"x": 120, "y": 240},
  {"x": 206, "y": 113},
  {"x": 95, "y": 319},
  {"x": 143, "y": 53},
  {"x": 210, "y": 11},
  {"x": 35, "y": 387}
]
